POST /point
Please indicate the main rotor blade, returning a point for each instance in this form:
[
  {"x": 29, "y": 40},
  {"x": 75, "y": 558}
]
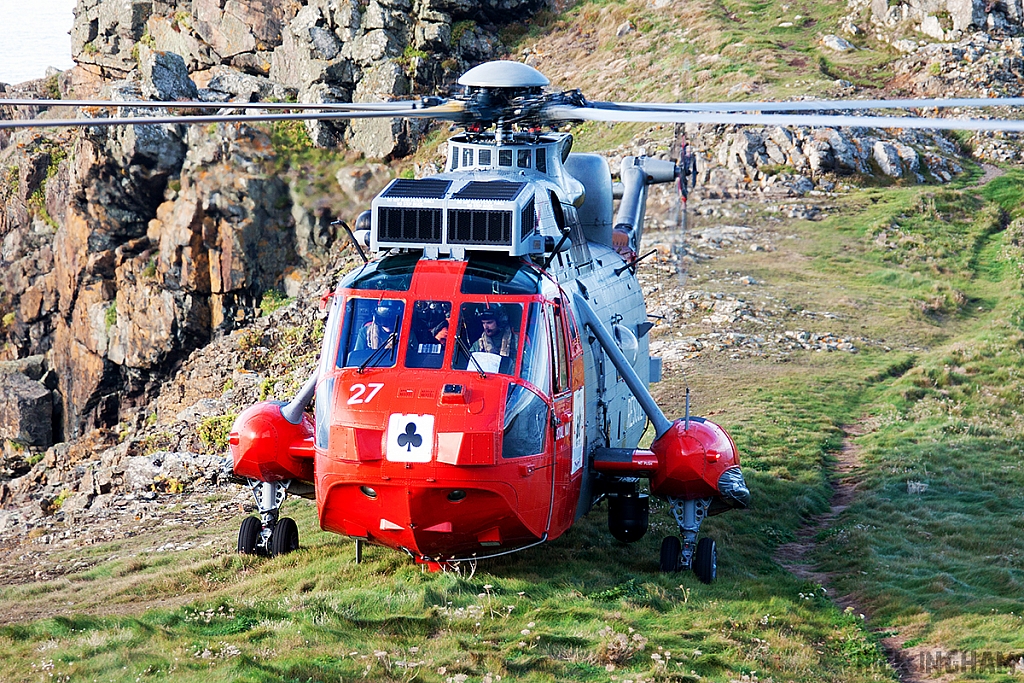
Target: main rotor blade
[
  {"x": 451, "y": 111},
  {"x": 190, "y": 104},
  {"x": 570, "y": 113},
  {"x": 813, "y": 105}
]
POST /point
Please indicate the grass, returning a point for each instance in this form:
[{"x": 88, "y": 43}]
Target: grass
[
  {"x": 937, "y": 404},
  {"x": 578, "y": 611}
]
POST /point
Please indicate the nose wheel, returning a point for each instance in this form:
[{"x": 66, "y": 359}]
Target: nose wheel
[
  {"x": 687, "y": 553},
  {"x": 267, "y": 534}
]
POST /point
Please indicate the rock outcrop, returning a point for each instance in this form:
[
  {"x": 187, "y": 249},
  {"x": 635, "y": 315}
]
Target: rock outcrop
[
  {"x": 904, "y": 23},
  {"x": 123, "y": 249},
  {"x": 793, "y": 162},
  {"x": 322, "y": 50}
]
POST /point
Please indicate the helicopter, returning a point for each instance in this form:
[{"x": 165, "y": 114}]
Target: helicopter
[
  {"x": 484, "y": 378},
  {"x": 483, "y": 383}
]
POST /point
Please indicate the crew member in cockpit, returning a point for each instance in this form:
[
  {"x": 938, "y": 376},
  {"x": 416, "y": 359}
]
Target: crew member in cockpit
[
  {"x": 496, "y": 336},
  {"x": 376, "y": 332}
]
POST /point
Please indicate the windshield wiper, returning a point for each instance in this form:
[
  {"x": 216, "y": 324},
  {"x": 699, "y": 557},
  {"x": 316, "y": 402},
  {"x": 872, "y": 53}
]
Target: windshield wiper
[
  {"x": 377, "y": 352},
  {"x": 465, "y": 350}
]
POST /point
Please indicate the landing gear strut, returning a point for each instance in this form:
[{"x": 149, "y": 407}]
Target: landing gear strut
[
  {"x": 268, "y": 535},
  {"x": 687, "y": 553}
]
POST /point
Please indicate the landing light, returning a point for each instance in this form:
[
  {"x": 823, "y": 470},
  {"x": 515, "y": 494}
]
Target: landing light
[
  {"x": 457, "y": 495},
  {"x": 368, "y": 492}
]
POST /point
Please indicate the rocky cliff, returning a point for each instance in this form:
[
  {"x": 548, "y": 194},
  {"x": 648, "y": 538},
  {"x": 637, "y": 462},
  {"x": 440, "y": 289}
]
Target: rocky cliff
[{"x": 125, "y": 248}]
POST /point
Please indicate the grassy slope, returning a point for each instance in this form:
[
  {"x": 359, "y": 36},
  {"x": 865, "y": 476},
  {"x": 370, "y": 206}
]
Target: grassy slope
[
  {"x": 946, "y": 564},
  {"x": 941, "y": 408}
]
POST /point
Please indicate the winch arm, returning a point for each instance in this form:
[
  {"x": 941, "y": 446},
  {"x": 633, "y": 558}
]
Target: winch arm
[{"x": 633, "y": 381}]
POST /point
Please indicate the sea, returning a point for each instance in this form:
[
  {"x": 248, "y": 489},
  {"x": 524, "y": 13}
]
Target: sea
[{"x": 34, "y": 35}]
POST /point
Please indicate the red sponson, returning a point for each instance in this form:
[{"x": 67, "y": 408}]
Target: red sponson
[
  {"x": 690, "y": 461},
  {"x": 267, "y": 447}
]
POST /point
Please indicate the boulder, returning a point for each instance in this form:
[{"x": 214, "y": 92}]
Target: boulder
[
  {"x": 888, "y": 159},
  {"x": 837, "y": 44},
  {"x": 233, "y": 27},
  {"x": 165, "y": 76},
  {"x": 170, "y": 35},
  {"x": 33, "y": 367},
  {"x": 931, "y": 27},
  {"x": 163, "y": 468},
  {"x": 380, "y": 138},
  {"x": 246, "y": 87},
  {"x": 105, "y": 33},
  {"x": 26, "y": 411}
]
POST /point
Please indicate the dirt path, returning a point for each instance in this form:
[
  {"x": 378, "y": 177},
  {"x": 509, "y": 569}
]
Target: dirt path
[
  {"x": 990, "y": 173},
  {"x": 795, "y": 556}
]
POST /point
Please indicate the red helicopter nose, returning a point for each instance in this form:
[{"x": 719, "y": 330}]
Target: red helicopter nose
[
  {"x": 691, "y": 460},
  {"x": 266, "y": 446}
]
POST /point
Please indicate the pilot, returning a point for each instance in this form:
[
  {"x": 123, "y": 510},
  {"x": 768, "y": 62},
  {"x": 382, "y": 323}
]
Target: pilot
[
  {"x": 497, "y": 336},
  {"x": 430, "y": 324},
  {"x": 435, "y": 319},
  {"x": 386, "y": 317}
]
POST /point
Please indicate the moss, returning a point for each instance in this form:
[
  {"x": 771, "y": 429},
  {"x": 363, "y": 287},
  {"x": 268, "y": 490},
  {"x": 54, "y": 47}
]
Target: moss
[
  {"x": 213, "y": 432},
  {"x": 272, "y": 300},
  {"x": 57, "y": 155},
  {"x": 460, "y": 28},
  {"x": 8, "y": 319},
  {"x": 58, "y": 502},
  {"x": 411, "y": 53},
  {"x": 37, "y": 206},
  {"x": 110, "y": 317},
  {"x": 182, "y": 18},
  {"x": 161, "y": 441},
  {"x": 162, "y": 484},
  {"x": 51, "y": 87},
  {"x": 292, "y": 143}
]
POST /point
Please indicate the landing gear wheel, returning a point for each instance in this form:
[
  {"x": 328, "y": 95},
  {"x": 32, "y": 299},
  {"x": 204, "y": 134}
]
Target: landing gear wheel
[
  {"x": 671, "y": 547},
  {"x": 249, "y": 535},
  {"x": 705, "y": 562},
  {"x": 285, "y": 537}
]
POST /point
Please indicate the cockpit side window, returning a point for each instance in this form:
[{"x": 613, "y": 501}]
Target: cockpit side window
[
  {"x": 488, "y": 337},
  {"x": 536, "y": 355},
  {"x": 527, "y": 417},
  {"x": 428, "y": 338},
  {"x": 371, "y": 333},
  {"x": 560, "y": 371}
]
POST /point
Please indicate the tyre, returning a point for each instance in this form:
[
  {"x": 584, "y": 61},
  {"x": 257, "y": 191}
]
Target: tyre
[
  {"x": 705, "y": 561},
  {"x": 285, "y": 538},
  {"x": 671, "y": 548},
  {"x": 249, "y": 535}
]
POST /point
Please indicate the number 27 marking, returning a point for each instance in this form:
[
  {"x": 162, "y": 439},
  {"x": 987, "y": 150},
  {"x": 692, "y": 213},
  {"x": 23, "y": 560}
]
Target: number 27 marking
[{"x": 359, "y": 389}]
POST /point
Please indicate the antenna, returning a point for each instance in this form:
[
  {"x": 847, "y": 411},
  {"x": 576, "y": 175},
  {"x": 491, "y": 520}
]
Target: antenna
[
  {"x": 352, "y": 237},
  {"x": 686, "y": 419}
]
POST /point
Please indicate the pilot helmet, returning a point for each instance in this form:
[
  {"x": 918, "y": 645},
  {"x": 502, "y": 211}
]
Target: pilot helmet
[
  {"x": 493, "y": 313},
  {"x": 386, "y": 311}
]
